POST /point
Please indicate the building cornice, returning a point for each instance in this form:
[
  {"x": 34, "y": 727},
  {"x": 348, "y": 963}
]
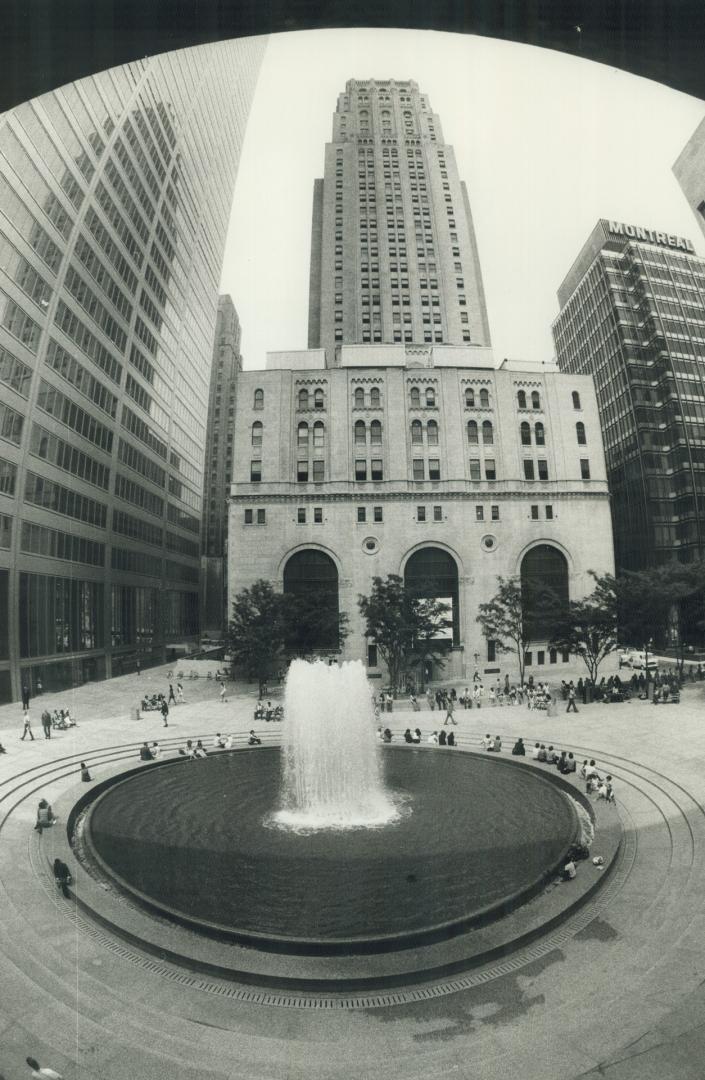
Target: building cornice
[{"x": 414, "y": 496}]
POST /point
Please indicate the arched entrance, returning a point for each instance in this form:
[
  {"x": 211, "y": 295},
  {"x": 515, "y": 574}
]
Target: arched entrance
[
  {"x": 312, "y": 576},
  {"x": 432, "y": 573},
  {"x": 544, "y": 582}
]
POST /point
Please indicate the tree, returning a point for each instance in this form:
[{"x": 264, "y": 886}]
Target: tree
[
  {"x": 505, "y": 618},
  {"x": 404, "y": 627},
  {"x": 651, "y": 602},
  {"x": 256, "y": 632},
  {"x": 588, "y": 628},
  {"x": 310, "y": 622}
]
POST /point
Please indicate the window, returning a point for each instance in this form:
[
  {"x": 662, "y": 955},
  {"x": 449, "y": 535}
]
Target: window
[
  {"x": 576, "y": 399},
  {"x": 484, "y": 399},
  {"x": 432, "y": 433},
  {"x": 257, "y": 433},
  {"x": 535, "y": 399},
  {"x": 438, "y": 513},
  {"x": 415, "y": 396},
  {"x": 470, "y": 398},
  {"x": 521, "y": 399},
  {"x": 541, "y": 657},
  {"x": 418, "y": 469},
  {"x": 259, "y": 399},
  {"x": 303, "y": 399},
  {"x": 534, "y": 513},
  {"x": 430, "y": 396},
  {"x": 543, "y": 469},
  {"x": 549, "y": 513},
  {"x": 318, "y": 472},
  {"x": 539, "y": 434},
  {"x": 491, "y": 651},
  {"x": 362, "y": 514},
  {"x": 248, "y": 517},
  {"x": 580, "y": 433},
  {"x": 261, "y": 517},
  {"x": 360, "y": 433},
  {"x": 553, "y": 656},
  {"x": 377, "y": 513},
  {"x": 528, "y": 469},
  {"x": 490, "y": 469},
  {"x": 318, "y": 398},
  {"x": 319, "y": 433},
  {"x": 420, "y": 513},
  {"x": 301, "y": 515},
  {"x": 475, "y": 469},
  {"x": 374, "y": 398},
  {"x": 479, "y": 513},
  {"x": 565, "y": 656},
  {"x": 525, "y": 431},
  {"x": 318, "y": 515},
  {"x": 302, "y": 437},
  {"x": 434, "y": 469},
  {"x": 528, "y": 659},
  {"x": 359, "y": 398},
  {"x": 360, "y": 469},
  {"x": 472, "y": 432},
  {"x": 416, "y": 432},
  {"x": 487, "y": 433},
  {"x": 255, "y": 472},
  {"x": 302, "y": 471},
  {"x": 584, "y": 469},
  {"x": 375, "y": 433},
  {"x": 371, "y": 655},
  {"x": 494, "y": 513},
  {"x": 377, "y": 469}
]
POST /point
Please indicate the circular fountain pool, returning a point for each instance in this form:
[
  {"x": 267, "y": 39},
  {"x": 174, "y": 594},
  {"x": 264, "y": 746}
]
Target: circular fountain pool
[{"x": 195, "y": 840}]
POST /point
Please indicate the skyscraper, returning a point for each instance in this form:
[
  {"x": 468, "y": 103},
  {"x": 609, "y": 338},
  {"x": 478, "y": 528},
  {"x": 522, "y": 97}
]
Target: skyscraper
[
  {"x": 690, "y": 173},
  {"x": 633, "y": 316},
  {"x": 393, "y": 445},
  {"x": 227, "y": 363},
  {"x": 115, "y": 194},
  {"x": 393, "y": 251}
]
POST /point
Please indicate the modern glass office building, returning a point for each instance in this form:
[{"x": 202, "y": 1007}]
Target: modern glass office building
[
  {"x": 633, "y": 316},
  {"x": 115, "y": 194}
]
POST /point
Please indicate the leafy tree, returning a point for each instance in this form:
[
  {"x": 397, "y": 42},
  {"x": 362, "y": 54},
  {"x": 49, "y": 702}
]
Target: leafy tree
[
  {"x": 309, "y": 622},
  {"x": 256, "y": 633},
  {"x": 648, "y": 600},
  {"x": 404, "y": 626},
  {"x": 588, "y": 628},
  {"x": 505, "y": 620}
]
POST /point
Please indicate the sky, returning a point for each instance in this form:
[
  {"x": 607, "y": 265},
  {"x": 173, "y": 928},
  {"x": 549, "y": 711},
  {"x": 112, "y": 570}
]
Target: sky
[{"x": 546, "y": 143}]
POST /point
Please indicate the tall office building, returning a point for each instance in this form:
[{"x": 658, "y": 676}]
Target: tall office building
[
  {"x": 690, "y": 173},
  {"x": 633, "y": 316},
  {"x": 115, "y": 194},
  {"x": 393, "y": 251},
  {"x": 227, "y": 362},
  {"x": 393, "y": 445}
]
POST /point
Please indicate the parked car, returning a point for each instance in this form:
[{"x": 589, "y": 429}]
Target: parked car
[{"x": 637, "y": 660}]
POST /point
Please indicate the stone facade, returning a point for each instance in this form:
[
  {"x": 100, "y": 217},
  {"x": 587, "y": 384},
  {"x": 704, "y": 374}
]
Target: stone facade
[{"x": 487, "y": 525}]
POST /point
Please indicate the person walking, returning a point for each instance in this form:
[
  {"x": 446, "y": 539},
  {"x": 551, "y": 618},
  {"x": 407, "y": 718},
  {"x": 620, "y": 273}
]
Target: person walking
[
  {"x": 172, "y": 697},
  {"x": 571, "y": 699},
  {"x": 27, "y": 729},
  {"x": 450, "y": 706},
  {"x": 180, "y": 694},
  {"x": 431, "y": 700},
  {"x": 165, "y": 713},
  {"x": 25, "y": 696},
  {"x": 46, "y": 723},
  {"x": 223, "y": 692}
]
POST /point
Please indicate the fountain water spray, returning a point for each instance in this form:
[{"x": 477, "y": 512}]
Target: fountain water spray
[{"x": 331, "y": 770}]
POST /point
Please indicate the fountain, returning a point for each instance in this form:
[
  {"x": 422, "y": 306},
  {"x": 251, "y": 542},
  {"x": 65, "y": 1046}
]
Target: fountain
[{"x": 331, "y": 770}]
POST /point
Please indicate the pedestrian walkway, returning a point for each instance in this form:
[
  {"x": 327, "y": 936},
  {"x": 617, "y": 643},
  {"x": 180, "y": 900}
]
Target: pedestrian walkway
[{"x": 622, "y": 998}]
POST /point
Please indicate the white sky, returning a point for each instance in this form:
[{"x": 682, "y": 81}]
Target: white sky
[{"x": 546, "y": 143}]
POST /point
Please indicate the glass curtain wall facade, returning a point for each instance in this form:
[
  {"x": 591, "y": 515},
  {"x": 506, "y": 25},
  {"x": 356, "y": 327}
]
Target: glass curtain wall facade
[
  {"x": 633, "y": 316},
  {"x": 115, "y": 195}
]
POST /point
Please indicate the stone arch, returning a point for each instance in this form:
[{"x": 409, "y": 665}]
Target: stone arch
[
  {"x": 433, "y": 571},
  {"x": 545, "y": 578},
  {"x": 312, "y": 572}
]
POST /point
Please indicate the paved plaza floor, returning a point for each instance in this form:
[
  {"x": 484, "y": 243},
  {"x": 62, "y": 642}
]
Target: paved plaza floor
[{"x": 623, "y": 997}]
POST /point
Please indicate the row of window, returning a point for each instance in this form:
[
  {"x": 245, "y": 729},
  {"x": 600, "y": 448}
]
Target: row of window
[
  {"x": 429, "y": 398},
  {"x": 306, "y": 400}
]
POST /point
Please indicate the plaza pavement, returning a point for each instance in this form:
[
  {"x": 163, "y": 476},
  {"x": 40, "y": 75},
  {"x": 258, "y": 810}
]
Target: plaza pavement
[{"x": 623, "y": 998}]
